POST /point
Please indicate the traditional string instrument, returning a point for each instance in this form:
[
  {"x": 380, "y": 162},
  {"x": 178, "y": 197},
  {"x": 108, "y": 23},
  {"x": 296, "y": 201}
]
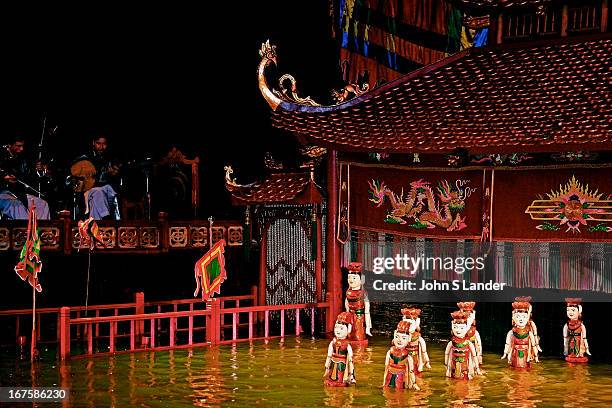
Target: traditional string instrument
[{"x": 85, "y": 173}]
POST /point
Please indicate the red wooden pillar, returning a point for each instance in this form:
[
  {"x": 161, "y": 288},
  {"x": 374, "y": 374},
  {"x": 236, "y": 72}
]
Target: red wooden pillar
[
  {"x": 213, "y": 321},
  {"x": 67, "y": 230},
  {"x": 334, "y": 276},
  {"x": 261, "y": 301},
  {"x": 139, "y": 309},
  {"x": 164, "y": 231},
  {"x": 319, "y": 261},
  {"x": 604, "y": 16},
  {"x": 64, "y": 333}
]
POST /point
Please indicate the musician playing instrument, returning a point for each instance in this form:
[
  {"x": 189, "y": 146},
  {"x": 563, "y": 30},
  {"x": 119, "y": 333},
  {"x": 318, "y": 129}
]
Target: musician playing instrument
[
  {"x": 17, "y": 178},
  {"x": 99, "y": 176}
]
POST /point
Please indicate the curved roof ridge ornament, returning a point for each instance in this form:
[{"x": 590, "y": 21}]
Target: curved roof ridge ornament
[
  {"x": 289, "y": 94},
  {"x": 342, "y": 95},
  {"x": 538, "y": 5},
  {"x": 267, "y": 53},
  {"x": 229, "y": 181}
]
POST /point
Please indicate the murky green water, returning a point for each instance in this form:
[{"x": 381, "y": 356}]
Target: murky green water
[{"x": 290, "y": 373}]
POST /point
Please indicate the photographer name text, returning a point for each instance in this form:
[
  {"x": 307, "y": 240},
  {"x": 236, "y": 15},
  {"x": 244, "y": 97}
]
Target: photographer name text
[{"x": 423, "y": 285}]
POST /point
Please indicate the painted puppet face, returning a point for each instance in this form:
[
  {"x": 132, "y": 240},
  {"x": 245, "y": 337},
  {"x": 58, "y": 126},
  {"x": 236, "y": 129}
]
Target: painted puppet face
[
  {"x": 414, "y": 323},
  {"x": 472, "y": 317},
  {"x": 573, "y": 313},
  {"x": 400, "y": 340},
  {"x": 354, "y": 281},
  {"x": 520, "y": 318},
  {"x": 459, "y": 329},
  {"x": 341, "y": 330}
]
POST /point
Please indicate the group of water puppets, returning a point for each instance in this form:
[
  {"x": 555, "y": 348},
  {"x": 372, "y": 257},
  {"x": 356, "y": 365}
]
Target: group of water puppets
[{"x": 407, "y": 357}]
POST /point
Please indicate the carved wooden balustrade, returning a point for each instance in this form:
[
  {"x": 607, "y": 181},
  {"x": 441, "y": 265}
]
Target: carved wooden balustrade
[{"x": 157, "y": 236}]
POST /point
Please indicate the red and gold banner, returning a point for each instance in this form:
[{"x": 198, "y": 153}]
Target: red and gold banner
[
  {"x": 413, "y": 202},
  {"x": 553, "y": 205},
  {"x": 530, "y": 204}
]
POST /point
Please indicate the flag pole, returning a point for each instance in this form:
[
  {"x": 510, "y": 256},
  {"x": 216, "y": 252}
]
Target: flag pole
[
  {"x": 210, "y": 245},
  {"x": 35, "y": 280},
  {"x": 33, "y": 342},
  {"x": 210, "y": 235}
]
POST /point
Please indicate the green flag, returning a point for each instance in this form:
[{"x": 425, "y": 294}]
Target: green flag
[
  {"x": 29, "y": 264},
  {"x": 210, "y": 271}
]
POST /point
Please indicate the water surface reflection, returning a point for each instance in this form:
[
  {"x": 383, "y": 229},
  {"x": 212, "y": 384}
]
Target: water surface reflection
[{"x": 290, "y": 373}]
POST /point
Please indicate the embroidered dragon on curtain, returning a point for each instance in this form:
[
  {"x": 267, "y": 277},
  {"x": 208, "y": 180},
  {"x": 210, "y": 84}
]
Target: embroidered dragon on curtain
[{"x": 421, "y": 204}]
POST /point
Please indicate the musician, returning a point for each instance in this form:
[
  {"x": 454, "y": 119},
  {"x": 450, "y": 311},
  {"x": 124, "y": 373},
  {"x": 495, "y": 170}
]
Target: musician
[
  {"x": 15, "y": 173},
  {"x": 101, "y": 200}
]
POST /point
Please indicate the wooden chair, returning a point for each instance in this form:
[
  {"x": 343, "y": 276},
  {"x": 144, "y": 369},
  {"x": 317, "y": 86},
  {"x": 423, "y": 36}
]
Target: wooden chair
[{"x": 176, "y": 158}]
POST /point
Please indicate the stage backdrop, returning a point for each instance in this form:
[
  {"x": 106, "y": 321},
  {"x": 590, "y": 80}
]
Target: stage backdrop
[
  {"x": 531, "y": 204},
  {"x": 553, "y": 205},
  {"x": 417, "y": 203}
]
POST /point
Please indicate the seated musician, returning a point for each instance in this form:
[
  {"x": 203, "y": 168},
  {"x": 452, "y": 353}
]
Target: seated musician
[
  {"x": 101, "y": 200},
  {"x": 18, "y": 181}
]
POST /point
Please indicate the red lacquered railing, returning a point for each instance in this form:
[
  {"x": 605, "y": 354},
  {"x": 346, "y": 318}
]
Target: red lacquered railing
[
  {"x": 214, "y": 316},
  {"x": 148, "y": 327},
  {"x": 51, "y": 316}
]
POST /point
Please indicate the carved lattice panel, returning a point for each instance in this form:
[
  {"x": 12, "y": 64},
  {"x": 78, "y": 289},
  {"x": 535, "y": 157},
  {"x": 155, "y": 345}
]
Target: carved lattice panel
[
  {"x": 149, "y": 237},
  {"x": 128, "y": 237},
  {"x": 198, "y": 236},
  {"x": 19, "y": 237},
  {"x": 49, "y": 237},
  {"x": 76, "y": 239},
  {"x": 234, "y": 236},
  {"x": 5, "y": 239},
  {"x": 178, "y": 237},
  {"x": 218, "y": 233},
  {"x": 109, "y": 237}
]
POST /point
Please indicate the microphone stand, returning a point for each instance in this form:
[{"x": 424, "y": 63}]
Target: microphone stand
[
  {"x": 26, "y": 185},
  {"x": 148, "y": 193}
]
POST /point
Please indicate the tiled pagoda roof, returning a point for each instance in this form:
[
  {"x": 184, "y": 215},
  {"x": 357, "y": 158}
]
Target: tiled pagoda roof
[
  {"x": 552, "y": 96},
  {"x": 288, "y": 188}
]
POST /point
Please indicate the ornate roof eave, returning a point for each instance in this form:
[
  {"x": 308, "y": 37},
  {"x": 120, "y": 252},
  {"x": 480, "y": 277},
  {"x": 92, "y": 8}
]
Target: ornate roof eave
[
  {"x": 503, "y": 4},
  {"x": 287, "y": 98},
  {"x": 286, "y": 109},
  {"x": 280, "y": 101},
  {"x": 277, "y": 188},
  {"x": 275, "y": 98}
]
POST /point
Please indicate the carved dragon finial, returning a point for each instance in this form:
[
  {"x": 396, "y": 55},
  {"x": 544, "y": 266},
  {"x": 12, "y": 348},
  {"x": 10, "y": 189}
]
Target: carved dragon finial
[
  {"x": 290, "y": 93},
  {"x": 274, "y": 98},
  {"x": 267, "y": 53},
  {"x": 228, "y": 180},
  {"x": 342, "y": 95},
  {"x": 232, "y": 181},
  {"x": 314, "y": 152}
]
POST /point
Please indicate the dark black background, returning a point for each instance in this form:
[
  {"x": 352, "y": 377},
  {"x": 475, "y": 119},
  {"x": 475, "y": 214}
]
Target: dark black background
[
  {"x": 151, "y": 77},
  {"x": 155, "y": 76}
]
